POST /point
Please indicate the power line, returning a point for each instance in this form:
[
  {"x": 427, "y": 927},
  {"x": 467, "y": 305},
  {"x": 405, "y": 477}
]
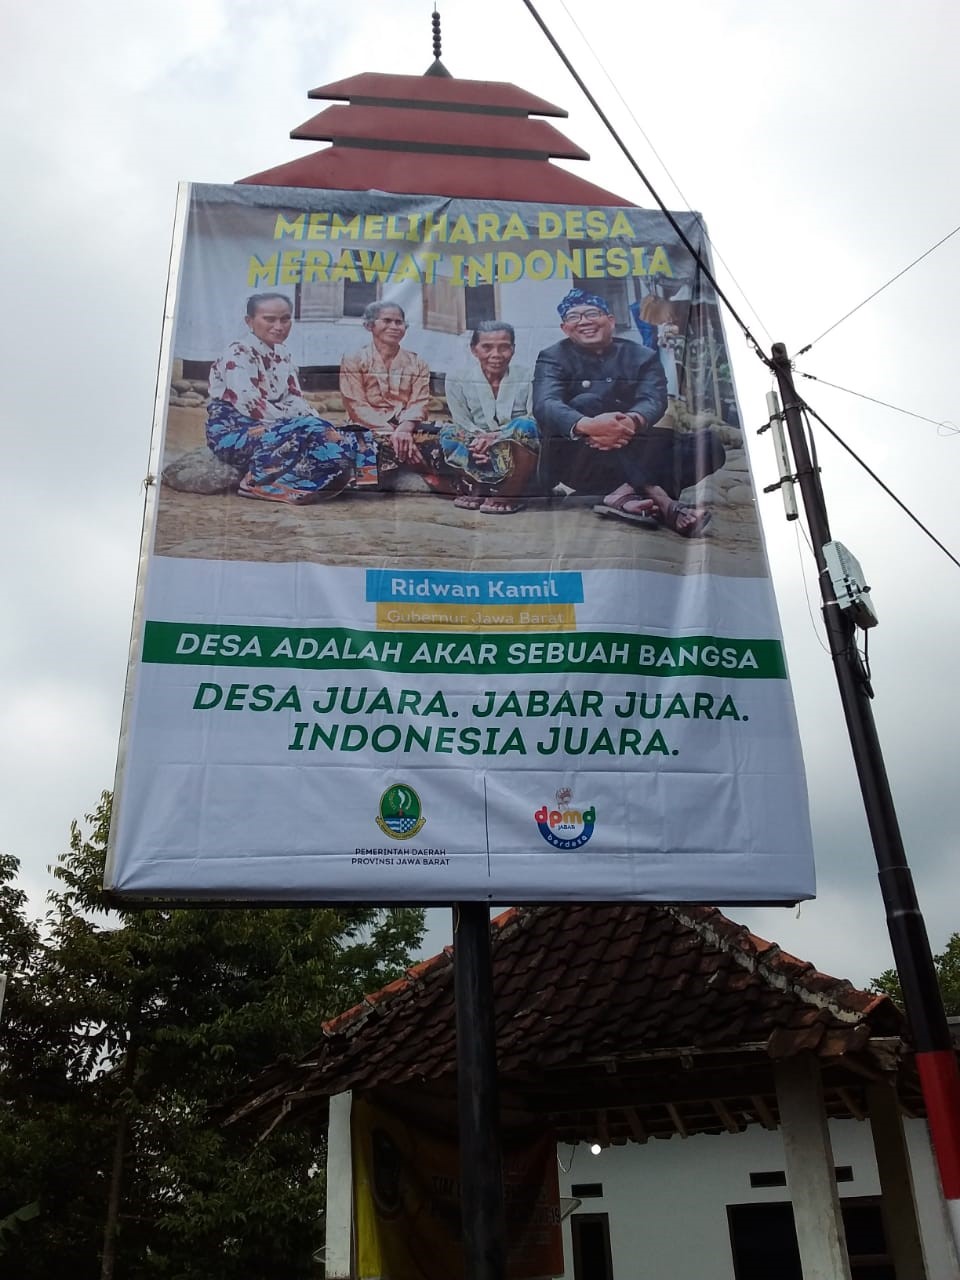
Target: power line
[
  {"x": 926, "y": 254},
  {"x": 682, "y": 235},
  {"x": 946, "y": 427},
  {"x": 695, "y": 254},
  {"x": 885, "y": 487},
  {"x": 663, "y": 165}
]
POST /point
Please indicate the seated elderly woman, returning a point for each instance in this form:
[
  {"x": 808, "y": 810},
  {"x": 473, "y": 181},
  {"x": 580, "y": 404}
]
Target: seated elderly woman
[
  {"x": 386, "y": 388},
  {"x": 258, "y": 420},
  {"x": 492, "y": 441}
]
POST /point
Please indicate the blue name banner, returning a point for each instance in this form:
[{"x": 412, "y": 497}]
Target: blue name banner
[{"x": 395, "y": 585}]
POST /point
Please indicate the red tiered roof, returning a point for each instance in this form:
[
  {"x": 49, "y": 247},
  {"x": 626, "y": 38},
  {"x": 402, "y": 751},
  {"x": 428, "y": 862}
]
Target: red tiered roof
[
  {"x": 487, "y": 96},
  {"x": 437, "y": 135},
  {"x": 408, "y": 129}
]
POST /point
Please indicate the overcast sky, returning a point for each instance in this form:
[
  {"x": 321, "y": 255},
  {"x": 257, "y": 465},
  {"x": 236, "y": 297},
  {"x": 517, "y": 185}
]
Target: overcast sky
[{"x": 816, "y": 138}]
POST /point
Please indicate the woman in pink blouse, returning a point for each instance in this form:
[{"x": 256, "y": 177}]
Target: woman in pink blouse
[{"x": 258, "y": 420}]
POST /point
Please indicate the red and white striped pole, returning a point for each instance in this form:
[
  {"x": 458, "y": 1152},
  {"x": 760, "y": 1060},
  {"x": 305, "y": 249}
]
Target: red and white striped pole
[{"x": 940, "y": 1083}]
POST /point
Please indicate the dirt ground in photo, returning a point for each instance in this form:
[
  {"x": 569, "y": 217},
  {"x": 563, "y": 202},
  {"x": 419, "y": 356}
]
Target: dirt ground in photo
[{"x": 415, "y": 528}]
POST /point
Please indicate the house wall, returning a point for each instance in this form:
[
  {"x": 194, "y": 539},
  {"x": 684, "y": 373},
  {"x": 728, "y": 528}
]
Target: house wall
[{"x": 667, "y": 1200}]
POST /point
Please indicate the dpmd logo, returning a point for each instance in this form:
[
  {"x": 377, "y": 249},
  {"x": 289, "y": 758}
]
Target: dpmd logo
[
  {"x": 401, "y": 814},
  {"x": 565, "y": 827}
]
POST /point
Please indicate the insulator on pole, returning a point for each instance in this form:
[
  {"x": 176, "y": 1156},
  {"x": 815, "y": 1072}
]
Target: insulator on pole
[{"x": 435, "y": 20}]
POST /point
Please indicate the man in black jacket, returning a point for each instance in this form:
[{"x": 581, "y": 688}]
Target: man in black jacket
[{"x": 597, "y": 400}]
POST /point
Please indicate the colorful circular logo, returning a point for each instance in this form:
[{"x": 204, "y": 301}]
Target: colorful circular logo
[
  {"x": 565, "y": 827},
  {"x": 401, "y": 814}
]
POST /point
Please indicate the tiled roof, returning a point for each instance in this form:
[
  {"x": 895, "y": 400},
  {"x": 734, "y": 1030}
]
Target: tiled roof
[
  {"x": 464, "y": 131},
  {"x": 437, "y": 135},
  {"x": 611, "y": 1008},
  {"x": 482, "y": 95}
]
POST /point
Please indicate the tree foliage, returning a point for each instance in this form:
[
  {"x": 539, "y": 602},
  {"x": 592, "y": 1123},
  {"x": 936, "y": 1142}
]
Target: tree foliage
[
  {"x": 948, "y": 975},
  {"x": 145, "y": 1021}
]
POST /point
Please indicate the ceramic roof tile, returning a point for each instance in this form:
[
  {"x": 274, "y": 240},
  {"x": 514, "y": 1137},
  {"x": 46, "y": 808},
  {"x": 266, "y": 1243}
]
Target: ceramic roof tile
[{"x": 618, "y": 982}]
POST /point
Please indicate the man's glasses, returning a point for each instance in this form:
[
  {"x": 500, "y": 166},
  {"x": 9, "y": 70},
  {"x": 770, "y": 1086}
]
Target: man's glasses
[{"x": 580, "y": 317}]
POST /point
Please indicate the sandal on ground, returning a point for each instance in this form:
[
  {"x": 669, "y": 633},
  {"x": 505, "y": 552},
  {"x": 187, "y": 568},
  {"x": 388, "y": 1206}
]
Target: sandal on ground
[
  {"x": 676, "y": 510},
  {"x": 469, "y": 501},
  {"x": 501, "y": 507},
  {"x": 617, "y": 508},
  {"x": 336, "y": 484}
]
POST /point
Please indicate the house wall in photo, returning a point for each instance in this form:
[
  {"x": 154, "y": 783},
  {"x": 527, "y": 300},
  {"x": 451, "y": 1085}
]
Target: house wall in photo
[{"x": 666, "y": 1201}]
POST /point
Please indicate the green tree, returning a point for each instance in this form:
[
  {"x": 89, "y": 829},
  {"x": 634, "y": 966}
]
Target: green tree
[
  {"x": 948, "y": 975},
  {"x": 151, "y": 1020},
  {"x": 19, "y": 953}
]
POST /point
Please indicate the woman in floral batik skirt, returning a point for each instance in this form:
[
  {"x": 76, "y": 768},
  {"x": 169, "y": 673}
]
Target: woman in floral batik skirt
[{"x": 258, "y": 420}]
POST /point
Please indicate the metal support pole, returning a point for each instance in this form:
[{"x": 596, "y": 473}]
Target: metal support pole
[
  {"x": 481, "y": 1177},
  {"x": 936, "y": 1060}
]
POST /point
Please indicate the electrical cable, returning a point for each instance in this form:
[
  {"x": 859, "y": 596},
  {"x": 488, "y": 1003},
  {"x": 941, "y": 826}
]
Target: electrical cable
[
  {"x": 945, "y": 427},
  {"x": 811, "y": 612},
  {"x": 663, "y": 164},
  {"x": 681, "y": 234},
  {"x": 695, "y": 254},
  {"x": 886, "y": 488},
  {"x": 926, "y": 254}
]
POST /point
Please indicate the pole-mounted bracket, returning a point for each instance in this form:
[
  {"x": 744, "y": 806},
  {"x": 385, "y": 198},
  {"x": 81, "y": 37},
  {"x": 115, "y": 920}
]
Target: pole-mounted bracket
[{"x": 785, "y": 484}]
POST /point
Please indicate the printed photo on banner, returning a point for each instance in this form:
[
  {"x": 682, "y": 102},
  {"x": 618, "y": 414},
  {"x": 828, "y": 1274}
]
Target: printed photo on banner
[
  {"x": 352, "y": 369},
  {"x": 453, "y": 584}
]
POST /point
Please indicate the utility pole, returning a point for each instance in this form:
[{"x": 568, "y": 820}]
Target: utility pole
[
  {"x": 935, "y": 1056},
  {"x": 481, "y": 1174}
]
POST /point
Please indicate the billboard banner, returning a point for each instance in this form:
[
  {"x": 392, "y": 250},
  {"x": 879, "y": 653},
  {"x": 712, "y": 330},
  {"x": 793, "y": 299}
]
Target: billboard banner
[
  {"x": 454, "y": 584},
  {"x": 407, "y": 1211}
]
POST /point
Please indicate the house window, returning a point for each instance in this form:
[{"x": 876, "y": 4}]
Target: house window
[
  {"x": 764, "y": 1241},
  {"x": 481, "y": 304},
  {"x": 319, "y": 301},
  {"x": 357, "y": 296},
  {"x": 590, "y": 1236},
  {"x": 444, "y": 307},
  {"x": 450, "y": 308}
]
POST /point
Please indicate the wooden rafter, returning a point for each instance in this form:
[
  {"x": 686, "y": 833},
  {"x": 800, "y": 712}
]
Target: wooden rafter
[
  {"x": 677, "y": 1119},
  {"x": 764, "y": 1114}
]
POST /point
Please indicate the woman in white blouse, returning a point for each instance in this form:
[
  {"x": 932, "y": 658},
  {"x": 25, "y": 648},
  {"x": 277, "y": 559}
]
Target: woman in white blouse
[{"x": 492, "y": 441}]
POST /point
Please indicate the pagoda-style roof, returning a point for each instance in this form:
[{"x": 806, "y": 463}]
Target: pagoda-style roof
[
  {"x": 437, "y": 135},
  {"x": 487, "y": 97},
  {"x": 467, "y": 133},
  {"x": 623, "y": 1021}
]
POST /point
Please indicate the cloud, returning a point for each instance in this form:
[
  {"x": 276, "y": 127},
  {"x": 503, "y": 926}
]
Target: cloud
[{"x": 820, "y": 174}]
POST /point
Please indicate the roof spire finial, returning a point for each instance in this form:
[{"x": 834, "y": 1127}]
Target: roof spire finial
[{"x": 436, "y": 68}]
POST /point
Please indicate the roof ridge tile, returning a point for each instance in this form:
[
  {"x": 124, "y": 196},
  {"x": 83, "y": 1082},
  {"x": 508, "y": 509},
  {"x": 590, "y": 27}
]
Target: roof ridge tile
[{"x": 778, "y": 968}]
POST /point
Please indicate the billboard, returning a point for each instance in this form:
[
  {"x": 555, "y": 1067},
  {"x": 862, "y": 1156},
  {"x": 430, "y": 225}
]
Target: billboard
[{"x": 453, "y": 584}]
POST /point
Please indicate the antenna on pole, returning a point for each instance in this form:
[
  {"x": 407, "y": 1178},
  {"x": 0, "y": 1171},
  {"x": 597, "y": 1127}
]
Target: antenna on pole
[{"x": 436, "y": 68}]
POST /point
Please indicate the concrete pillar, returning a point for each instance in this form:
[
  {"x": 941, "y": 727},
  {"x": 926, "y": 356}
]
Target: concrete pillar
[
  {"x": 339, "y": 1189},
  {"x": 810, "y": 1170},
  {"x": 899, "y": 1206}
]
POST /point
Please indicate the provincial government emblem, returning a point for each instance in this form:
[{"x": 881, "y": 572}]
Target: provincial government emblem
[{"x": 401, "y": 814}]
